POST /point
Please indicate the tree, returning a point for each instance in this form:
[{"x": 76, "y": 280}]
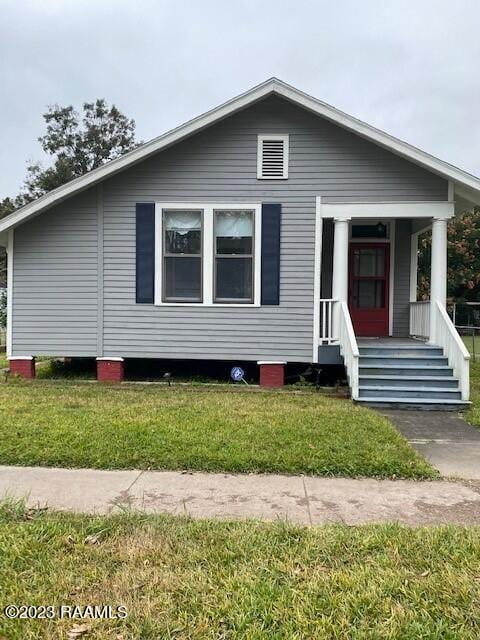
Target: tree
[
  {"x": 76, "y": 145},
  {"x": 463, "y": 259}
]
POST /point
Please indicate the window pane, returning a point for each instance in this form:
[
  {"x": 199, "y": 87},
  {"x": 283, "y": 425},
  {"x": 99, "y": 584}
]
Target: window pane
[
  {"x": 369, "y": 294},
  {"x": 183, "y": 279},
  {"x": 369, "y": 230},
  {"x": 234, "y": 246},
  {"x": 234, "y": 278},
  {"x": 369, "y": 262},
  {"x": 234, "y": 232},
  {"x": 183, "y": 232}
]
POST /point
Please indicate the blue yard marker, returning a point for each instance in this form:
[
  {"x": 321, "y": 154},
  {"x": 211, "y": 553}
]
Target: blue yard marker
[{"x": 237, "y": 374}]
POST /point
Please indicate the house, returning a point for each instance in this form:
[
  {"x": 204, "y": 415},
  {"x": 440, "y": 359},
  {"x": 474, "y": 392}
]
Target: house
[{"x": 273, "y": 229}]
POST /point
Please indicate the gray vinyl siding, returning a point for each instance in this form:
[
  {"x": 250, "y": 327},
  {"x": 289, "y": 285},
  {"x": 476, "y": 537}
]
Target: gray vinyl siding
[
  {"x": 55, "y": 281},
  {"x": 216, "y": 165},
  {"x": 401, "y": 278}
]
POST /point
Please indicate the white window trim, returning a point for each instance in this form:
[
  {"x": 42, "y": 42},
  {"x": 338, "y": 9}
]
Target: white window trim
[
  {"x": 283, "y": 137},
  {"x": 208, "y": 253}
]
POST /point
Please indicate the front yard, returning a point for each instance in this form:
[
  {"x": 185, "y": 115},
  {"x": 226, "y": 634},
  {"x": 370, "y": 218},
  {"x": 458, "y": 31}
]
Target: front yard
[
  {"x": 180, "y": 578},
  {"x": 473, "y": 416},
  {"x": 81, "y": 424}
]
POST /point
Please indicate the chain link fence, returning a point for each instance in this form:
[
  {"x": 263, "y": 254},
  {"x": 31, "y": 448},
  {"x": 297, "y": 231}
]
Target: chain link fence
[{"x": 466, "y": 318}]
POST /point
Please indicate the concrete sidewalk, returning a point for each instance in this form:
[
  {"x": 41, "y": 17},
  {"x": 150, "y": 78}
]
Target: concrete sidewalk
[
  {"x": 444, "y": 438},
  {"x": 300, "y": 499}
]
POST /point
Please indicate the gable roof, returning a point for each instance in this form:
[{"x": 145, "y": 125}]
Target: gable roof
[{"x": 466, "y": 186}]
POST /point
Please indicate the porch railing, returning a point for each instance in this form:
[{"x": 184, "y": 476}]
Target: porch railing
[
  {"x": 348, "y": 346},
  {"x": 336, "y": 328},
  {"x": 326, "y": 323},
  {"x": 447, "y": 337},
  {"x": 420, "y": 319}
]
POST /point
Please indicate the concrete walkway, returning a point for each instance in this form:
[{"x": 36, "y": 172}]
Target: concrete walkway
[
  {"x": 300, "y": 499},
  {"x": 444, "y": 438}
]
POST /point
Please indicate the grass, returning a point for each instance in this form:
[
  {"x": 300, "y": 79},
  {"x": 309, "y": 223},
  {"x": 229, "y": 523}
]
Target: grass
[
  {"x": 473, "y": 416},
  {"x": 468, "y": 340},
  {"x": 237, "y": 430},
  {"x": 4, "y": 361},
  {"x": 198, "y": 579}
]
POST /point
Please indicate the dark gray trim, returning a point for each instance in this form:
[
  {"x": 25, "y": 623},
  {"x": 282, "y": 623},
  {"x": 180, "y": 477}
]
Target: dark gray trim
[
  {"x": 145, "y": 253},
  {"x": 270, "y": 277},
  {"x": 329, "y": 354}
]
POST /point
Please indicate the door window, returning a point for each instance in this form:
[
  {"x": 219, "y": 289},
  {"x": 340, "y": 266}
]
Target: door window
[{"x": 369, "y": 278}]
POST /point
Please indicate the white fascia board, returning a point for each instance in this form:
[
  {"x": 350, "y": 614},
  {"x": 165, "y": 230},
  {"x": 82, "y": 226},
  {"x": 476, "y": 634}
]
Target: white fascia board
[
  {"x": 271, "y": 86},
  {"x": 404, "y": 149},
  {"x": 349, "y": 210}
]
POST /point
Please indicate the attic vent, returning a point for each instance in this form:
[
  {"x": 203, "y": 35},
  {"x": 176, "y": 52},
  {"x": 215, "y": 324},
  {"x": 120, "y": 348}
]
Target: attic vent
[{"x": 272, "y": 157}]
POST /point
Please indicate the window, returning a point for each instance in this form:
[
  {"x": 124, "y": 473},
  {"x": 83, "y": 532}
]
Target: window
[
  {"x": 272, "y": 157},
  {"x": 182, "y": 256},
  {"x": 233, "y": 248},
  {"x": 378, "y": 230},
  {"x": 369, "y": 262},
  {"x": 208, "y": 254}
]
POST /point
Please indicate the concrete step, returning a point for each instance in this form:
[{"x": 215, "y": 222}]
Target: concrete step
[
  {"x": 444, "y": 382},
  {"x": 404, "y": 370},
  {"x": 407, "y": 376},
  {"x": 419, "y": 361},
  {"x": 401, "y": 350},
  {"x": 409, "y": 394},
  {"x": 395, "y": 402}
]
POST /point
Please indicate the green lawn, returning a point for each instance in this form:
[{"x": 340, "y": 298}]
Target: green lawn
[
  {"x": 473, "y": 416},
  {"x": 184, "y": 579},
  {"x": 469, "y": 343},
  {"x": 75, "y": 424}
]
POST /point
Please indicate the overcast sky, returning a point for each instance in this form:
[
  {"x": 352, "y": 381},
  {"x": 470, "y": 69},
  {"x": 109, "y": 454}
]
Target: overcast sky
[{"x": 409, "y": 67}]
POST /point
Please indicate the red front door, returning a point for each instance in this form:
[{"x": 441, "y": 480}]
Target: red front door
[{"x": 369, "y": 271}]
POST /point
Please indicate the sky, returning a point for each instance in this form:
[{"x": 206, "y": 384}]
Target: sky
[{"x": 409, "y": 67}]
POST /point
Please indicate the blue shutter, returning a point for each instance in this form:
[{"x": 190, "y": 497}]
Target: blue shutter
[
  {"x": 145, "y": 253},
  {"x": 271, "y": 221}
]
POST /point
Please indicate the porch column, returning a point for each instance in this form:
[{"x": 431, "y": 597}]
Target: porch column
[
  {"x": 340, "y": 268},
  {"x": 438, "y": 275}
]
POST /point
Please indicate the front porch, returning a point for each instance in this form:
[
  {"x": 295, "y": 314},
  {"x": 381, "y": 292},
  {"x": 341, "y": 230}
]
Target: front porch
[{"x": 369, "y": 301}]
